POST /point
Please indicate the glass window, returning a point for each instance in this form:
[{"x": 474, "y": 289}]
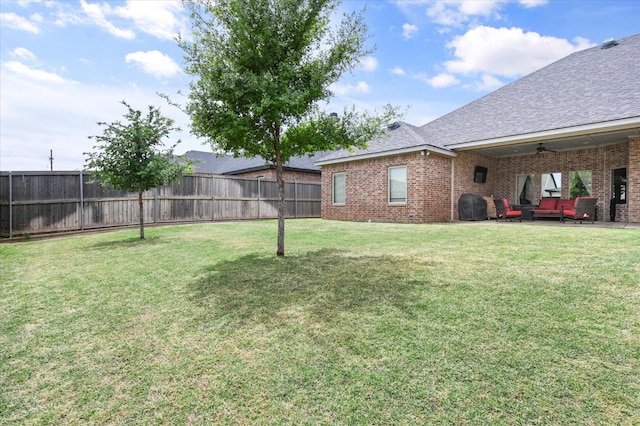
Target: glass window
[
  {"x": 525, "y": 189},
  {"x": 339, "y": 188},
  {"x": 580, "y": 184},
  {"x": 619, "y": 181},
  {"x": 398, "y": 184},
  {"x": 551, "y": 185}
]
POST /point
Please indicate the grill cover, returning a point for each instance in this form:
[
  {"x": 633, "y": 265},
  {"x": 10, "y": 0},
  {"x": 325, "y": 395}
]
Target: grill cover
[{"x": 472, "y": 207}]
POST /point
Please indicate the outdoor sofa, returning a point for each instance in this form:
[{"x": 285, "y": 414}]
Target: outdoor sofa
[{"x": 579, "y": 208}]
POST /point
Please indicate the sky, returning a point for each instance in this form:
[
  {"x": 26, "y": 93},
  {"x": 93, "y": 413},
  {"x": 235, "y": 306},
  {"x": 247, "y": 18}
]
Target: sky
[{"x": 67, "y": 65}]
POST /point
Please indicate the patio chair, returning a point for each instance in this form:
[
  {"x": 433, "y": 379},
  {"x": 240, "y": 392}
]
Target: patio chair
[
  {"x": 503, "y": 210},
  {"x": 584, "y": 208}
]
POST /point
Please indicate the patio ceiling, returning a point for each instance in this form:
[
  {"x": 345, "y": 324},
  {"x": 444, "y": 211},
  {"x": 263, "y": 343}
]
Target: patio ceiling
[{"x": 530, "y": 147}]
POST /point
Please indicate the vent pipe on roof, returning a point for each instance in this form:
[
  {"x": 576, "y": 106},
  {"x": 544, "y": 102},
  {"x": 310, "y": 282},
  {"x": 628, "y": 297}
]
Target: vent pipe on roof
[{"x": 609, "y": 43}]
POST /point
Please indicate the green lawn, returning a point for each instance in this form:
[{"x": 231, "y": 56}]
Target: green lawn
[{"x": 361, "y": 323}]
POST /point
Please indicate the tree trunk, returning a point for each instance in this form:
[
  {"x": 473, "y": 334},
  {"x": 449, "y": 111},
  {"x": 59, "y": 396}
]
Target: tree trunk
[
  {"x": 281, "y": 199},
  {"x": 141, "y": 214},
  {"x": 281, "y": 210}
]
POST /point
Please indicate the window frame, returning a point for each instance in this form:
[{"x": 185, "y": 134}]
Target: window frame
[
  {"x": 344, "y": 188},
  {"x": 557, "y": 193},
  {"x": 389, "y": 172},
  {"x": 588, "y": 185}
]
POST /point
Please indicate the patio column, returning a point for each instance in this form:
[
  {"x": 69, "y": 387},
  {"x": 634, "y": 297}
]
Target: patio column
[{"x": 633, "y": 180}]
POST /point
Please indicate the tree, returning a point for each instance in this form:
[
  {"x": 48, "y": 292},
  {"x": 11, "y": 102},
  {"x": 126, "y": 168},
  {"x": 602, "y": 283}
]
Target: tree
[
  {"x": 261, "y": 68},
  {"x": 577, "y": 187},
  {"x": 129, "y": 155}
]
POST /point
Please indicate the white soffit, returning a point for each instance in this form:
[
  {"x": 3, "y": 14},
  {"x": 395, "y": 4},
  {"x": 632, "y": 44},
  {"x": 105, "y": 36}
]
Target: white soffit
[{"x": 608, "y": 126}]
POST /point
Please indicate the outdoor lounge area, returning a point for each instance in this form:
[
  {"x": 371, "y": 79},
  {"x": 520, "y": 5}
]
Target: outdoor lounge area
[{"x": 577, "y": 209}]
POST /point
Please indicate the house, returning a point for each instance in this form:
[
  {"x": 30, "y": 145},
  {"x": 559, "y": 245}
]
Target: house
[
  {"x": 302, "y": 169},
  {"x": 573, "y": 125}
]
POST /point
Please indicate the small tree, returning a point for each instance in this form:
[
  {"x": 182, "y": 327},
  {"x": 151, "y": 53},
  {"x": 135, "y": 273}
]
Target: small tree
[
  {"x": 129, "y": 155},
  {"x": 261, "y": 67}
]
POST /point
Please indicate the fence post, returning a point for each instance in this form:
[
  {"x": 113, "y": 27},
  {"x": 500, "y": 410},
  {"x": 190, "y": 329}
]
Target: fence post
[
  {"x": 213, "y": 197},
  {"x": 81, "y": 201},
  {"x": 155, "y": 206},
  {"x": 295, "y": 196},
  {"x": 258, "y": 198},
  {"x": 10, "y": 206}
]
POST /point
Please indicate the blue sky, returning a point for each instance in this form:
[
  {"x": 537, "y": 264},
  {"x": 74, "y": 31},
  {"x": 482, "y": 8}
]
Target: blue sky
[{"x": 66, "y": 65}]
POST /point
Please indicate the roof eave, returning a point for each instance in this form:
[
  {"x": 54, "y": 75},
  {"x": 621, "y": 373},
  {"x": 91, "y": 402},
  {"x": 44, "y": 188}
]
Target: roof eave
[
  {"x": 366, "y": 156},
  {"x": 606, "y": 126},
  {"x": 258, "y": 168}
]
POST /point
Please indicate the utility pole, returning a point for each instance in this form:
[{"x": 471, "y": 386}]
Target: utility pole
[{"x": 51, "y": 158}]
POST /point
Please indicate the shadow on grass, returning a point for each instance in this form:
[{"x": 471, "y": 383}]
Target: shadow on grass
[
  {"x": 130, "y": 242},
  {"x": 322, "y": 283}
]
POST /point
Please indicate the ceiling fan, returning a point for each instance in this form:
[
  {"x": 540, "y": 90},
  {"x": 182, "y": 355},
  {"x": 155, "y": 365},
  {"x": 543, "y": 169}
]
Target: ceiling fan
[{"x": 541, "y": 148}]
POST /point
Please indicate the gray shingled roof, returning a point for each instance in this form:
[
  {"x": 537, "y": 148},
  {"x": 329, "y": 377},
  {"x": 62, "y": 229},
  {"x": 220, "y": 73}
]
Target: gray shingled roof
[
  {"x": 588, "y": 87},
  {"x": 208, "y": 162},
  {"x": 591, "y": 86},
  {"x": 397, "y": 137}
]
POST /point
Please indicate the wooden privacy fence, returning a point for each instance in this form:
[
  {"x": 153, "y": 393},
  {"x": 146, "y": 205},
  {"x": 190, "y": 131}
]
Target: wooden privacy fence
[{"x": 47, "y": 202}]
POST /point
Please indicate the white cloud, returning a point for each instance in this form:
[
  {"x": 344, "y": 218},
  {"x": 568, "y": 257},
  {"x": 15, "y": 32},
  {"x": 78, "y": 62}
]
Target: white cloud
[
  {"x": 478, "y": 8},
  {"x": 38, "y": 116},
  {"x": 155, "y": 63},
  {"x": 369, "y": 64},
  {"x": 25, "y": 3},
  {"x": 443, "y": 80},
  {"x": 161, "y": 19},
  {"x": 22, "y": 53},
  {"x": 409, "y": 30},
  {"x": 397, "y": 71},
  {"x": 17, "y": 22},
  {"x": 346, "y": 89},
  {"x": 454, "y": 13},
  {"x": 533, "y": 3},
  {"x": 488, "y": 83},
  {"x": 97, "y": 14},
  {"x": 507, "y": 52},
  {"x": 31, "y": 73}
]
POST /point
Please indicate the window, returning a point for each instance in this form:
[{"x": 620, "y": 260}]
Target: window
[
  {"x": 525, "y": 189},
  {"x": 551, "y": 185},
  {"x": 339, "y": 188},
  {"x": 619, "y": 181},
  {"x": 580, "y": 184},
  {"x": 398, "y": 184}
]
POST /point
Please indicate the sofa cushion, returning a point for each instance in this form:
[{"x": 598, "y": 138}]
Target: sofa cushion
[
  {"x": 547, "y": 204},
  {"x": 546, "y": 211},
  {"x": 564, "y": 203}
]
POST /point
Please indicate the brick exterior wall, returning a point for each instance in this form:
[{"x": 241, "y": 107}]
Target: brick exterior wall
[
  {"x": 465, "y": 164},
  {"x": 366, "y": 195},
  {"x": 429, "y": 185},
  {"x": 633, "y": 179}
]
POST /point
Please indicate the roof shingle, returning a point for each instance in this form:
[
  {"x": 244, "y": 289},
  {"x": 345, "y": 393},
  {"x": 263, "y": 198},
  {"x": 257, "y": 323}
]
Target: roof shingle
[{"x": 592, "y": 86}]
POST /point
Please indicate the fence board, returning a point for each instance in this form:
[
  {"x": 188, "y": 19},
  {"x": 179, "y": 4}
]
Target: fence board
[{"x": 44, "y": 202}]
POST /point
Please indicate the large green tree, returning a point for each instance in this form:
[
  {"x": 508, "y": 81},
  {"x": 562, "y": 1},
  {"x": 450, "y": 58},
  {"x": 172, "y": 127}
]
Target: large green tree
[
  {"x": 130, "y": 156},
  {"x": 261, "y": 67}
]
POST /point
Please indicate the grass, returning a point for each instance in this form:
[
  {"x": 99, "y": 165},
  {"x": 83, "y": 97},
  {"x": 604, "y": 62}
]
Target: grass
[{"x": 469, "y": 323}]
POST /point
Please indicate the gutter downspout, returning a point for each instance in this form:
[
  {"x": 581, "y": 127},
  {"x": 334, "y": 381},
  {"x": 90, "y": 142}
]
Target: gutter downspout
[{"x": 453, "y": 168}]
